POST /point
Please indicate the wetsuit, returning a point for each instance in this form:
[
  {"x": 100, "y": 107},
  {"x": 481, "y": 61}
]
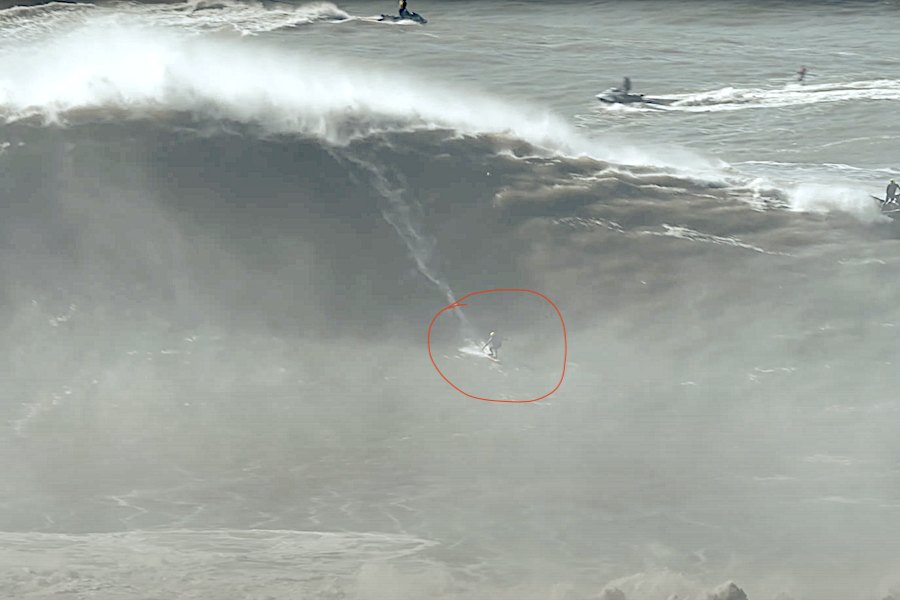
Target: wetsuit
[
  {"x": 891, "y": 194},
  {"x": 403, "y": 12},
  {"x": 493, "y": 344}
]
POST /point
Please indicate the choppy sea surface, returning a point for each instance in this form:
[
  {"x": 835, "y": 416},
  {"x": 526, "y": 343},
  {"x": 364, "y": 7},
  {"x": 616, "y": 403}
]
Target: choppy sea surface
[{"x": 227, "y": 226}]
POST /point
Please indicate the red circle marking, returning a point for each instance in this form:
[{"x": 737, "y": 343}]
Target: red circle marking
[{"x": 459, "y": 303}]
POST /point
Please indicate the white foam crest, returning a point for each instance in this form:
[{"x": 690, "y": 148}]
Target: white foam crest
[
  {"x": 223, "y": 563},
  {"x": 730, "y": 98},
  {"x": 138, "y": 69},
  {"x": 246, "y": 18},
  {"x": 685, "y": 233},
  {"x": 825, "y": 198},
  {"x": 20, "y": 24}
]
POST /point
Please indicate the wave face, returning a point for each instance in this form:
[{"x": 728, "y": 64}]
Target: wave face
[{"x": 223, "y": 245}]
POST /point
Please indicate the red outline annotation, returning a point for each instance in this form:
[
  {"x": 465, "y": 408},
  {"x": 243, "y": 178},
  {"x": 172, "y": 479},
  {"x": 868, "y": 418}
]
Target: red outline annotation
[{"x": 459, "y": 303}]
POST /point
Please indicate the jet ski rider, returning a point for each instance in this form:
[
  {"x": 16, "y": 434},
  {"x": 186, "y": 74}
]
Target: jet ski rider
[{"x": 404, "y": 14}]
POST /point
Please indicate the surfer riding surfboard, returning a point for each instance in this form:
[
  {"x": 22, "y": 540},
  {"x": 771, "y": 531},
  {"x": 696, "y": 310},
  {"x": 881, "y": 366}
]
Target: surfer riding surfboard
[{"x": 492, "y": 345}]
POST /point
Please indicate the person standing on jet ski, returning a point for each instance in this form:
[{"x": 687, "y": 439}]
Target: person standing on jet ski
[
  {"x": 892, "y": 193},
  {"x": 404, "y": 14},
  {"x": 626, "y": 85}
]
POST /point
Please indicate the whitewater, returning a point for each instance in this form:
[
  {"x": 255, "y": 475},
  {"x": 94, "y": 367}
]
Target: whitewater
[{"x": 228, "y": 225}]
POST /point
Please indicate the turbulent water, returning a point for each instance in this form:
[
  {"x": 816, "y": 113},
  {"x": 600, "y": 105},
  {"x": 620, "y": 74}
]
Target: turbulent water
[{"x": 226, "y": 228}]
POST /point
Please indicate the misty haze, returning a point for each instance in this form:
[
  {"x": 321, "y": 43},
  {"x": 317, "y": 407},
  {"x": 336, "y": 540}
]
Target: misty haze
[{"x": 228, "y": 229}]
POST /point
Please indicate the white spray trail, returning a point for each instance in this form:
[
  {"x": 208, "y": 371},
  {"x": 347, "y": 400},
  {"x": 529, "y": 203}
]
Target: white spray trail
[
  {"x": 399, "y": 214},
  {"x": 823, "y": 198}
]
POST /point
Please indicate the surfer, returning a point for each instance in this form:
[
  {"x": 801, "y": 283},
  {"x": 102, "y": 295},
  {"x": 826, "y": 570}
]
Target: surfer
[
  {"x": 892, "y": 193},
  {"x": 626, "y": 85},
  {"x": 801, "y": 73},
  {"x": 493, "y": 344},
  {"x": 404, "y": 14}
]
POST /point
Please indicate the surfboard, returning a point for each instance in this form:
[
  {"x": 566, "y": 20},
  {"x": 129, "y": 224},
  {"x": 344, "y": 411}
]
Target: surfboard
[
  {"x": 477, "y": 352},
  {"x": 884, "y": 205}
]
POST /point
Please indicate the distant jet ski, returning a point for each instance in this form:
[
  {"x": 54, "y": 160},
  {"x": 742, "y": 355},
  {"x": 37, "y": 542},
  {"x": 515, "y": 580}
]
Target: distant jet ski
[
  {"x": 410, "y": 16},
  {"x": 620, "y": 96}
]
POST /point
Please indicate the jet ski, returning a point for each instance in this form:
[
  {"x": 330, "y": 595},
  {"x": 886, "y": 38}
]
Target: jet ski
[
  {"x": 410, "y": 16},
  {"x": 620, "y": 96}
]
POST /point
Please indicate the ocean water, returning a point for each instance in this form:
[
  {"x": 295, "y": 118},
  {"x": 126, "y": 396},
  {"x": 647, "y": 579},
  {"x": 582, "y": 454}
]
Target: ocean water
[{"x": 228, "y": 230}]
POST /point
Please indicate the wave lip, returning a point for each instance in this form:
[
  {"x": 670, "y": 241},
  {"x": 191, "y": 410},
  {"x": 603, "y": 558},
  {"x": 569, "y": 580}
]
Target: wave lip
[
  {"x": 139, "y": 69},
  {"x": 144, "y": 70}
]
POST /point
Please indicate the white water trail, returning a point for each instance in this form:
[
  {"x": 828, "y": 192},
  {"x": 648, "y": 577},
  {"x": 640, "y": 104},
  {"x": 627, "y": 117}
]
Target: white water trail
[{"x": 400, "y": 214}]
